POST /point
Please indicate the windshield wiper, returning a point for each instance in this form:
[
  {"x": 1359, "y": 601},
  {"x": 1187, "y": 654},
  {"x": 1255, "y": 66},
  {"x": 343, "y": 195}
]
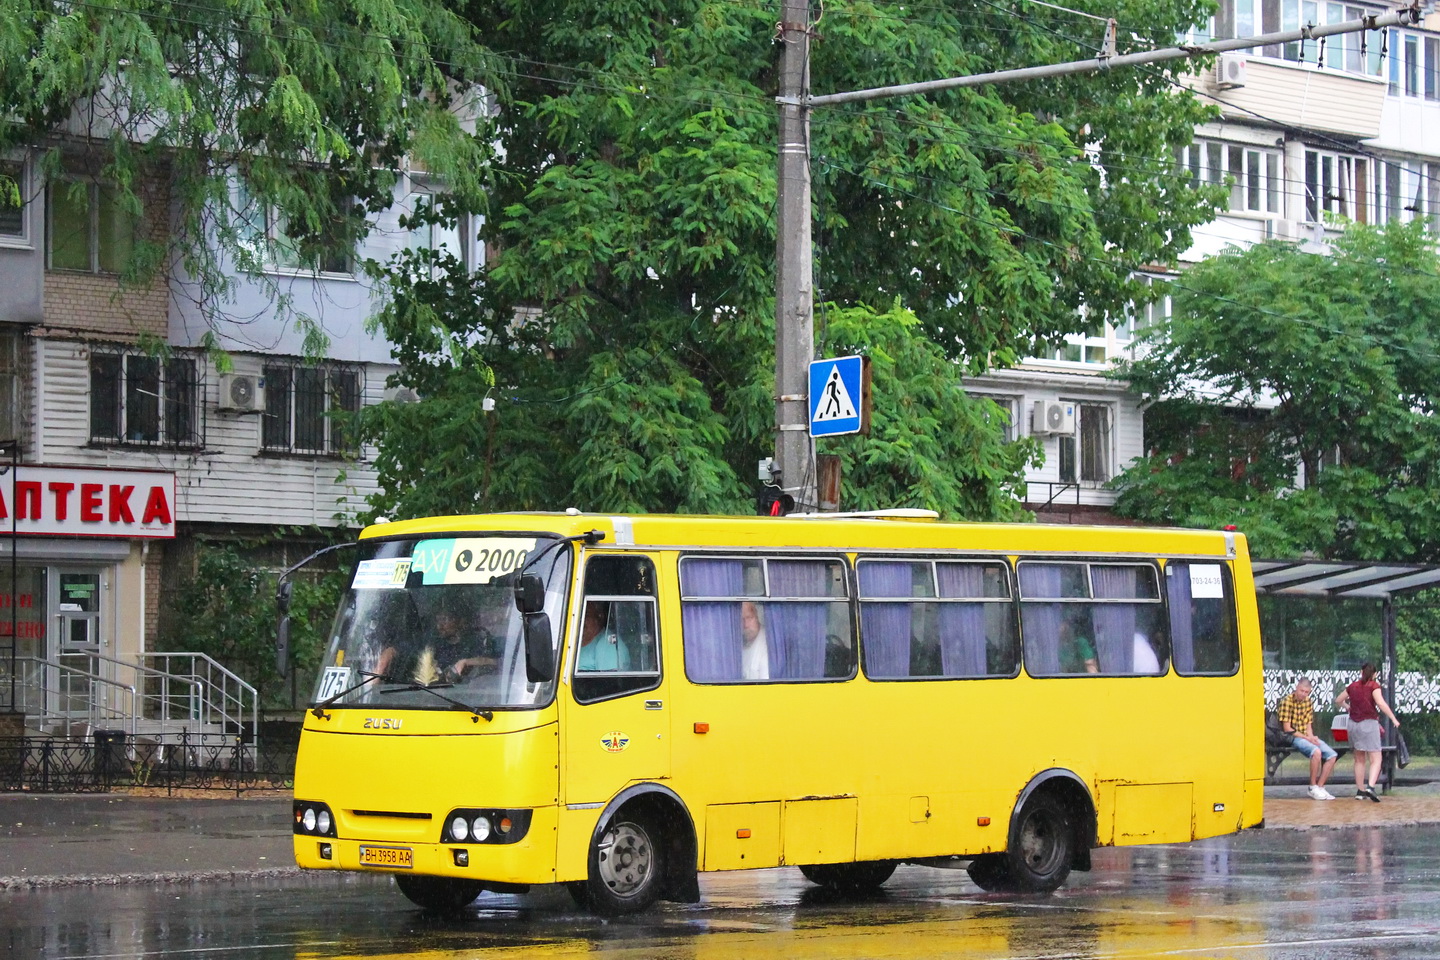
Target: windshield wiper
[
  {"x": 434, "y": 690},
  {"x": 319, "y": 708}
]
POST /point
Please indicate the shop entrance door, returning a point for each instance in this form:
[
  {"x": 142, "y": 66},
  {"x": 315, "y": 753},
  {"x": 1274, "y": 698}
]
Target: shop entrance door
[{"x": 77, "y": 643}]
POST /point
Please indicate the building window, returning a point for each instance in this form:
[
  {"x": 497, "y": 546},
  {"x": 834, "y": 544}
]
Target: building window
[
  {"x": 1357, "y": 53},
  {"x": 90, "y": 227},
  {"x": 1085, "y": 456},
  {"x": 14, "y": 212},
  {"x": 11, "y": 384},
  {"x": 136, "y": 398},
  {"x": 1006, "y": 415},
  {"x": 307, "y": 409},
  {"x": 265, "y": 233},
  {"x": 1254, "y": 173},
  {"x": 1330, "y": 184},
  {"x": 460, "y": 240}
]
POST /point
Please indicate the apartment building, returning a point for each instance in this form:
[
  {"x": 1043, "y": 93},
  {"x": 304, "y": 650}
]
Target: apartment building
[
  {"x": 119, "y": 457},
  {"x": 1310, "y": 135}
]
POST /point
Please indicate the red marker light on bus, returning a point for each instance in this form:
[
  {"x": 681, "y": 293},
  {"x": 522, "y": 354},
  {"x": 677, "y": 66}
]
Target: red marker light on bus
[
  {"x": 1229, "y": 528},
  {"x": 702, "y": 728},
  {"x": 742, "y": 834},
  {"x": 982, "y": 821}
]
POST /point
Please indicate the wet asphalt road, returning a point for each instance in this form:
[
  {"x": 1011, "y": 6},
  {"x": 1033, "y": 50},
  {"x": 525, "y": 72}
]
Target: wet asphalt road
[{"x": 1367, "y": 892}]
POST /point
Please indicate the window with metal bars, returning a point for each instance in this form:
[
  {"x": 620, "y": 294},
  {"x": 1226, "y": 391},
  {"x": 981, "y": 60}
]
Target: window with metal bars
[
  {"x": 309, "y": 409},
  {"x": 137, "y": 398},
  {"x": 11, "y": 383}
]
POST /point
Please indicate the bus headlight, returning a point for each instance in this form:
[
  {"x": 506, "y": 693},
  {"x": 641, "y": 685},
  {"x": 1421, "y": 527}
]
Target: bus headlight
[
  {"x": 313, "y": 819},
  {"x": 472, "y": 825}
]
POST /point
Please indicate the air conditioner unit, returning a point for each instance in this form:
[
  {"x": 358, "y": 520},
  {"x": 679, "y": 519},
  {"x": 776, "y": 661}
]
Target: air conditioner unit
[
  {"x": 1053, "y": 416},
  {"x": 1230, "y": 71},
  {"x": 242, "y": 392}
]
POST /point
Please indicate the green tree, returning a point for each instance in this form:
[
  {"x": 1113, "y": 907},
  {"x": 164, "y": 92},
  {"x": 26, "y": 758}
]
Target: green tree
[
  {"x": 1293, "y": 395},
  {"x": 624, "y": 327},
  {"x": 229, "y": 117},
  {"x": 226, "y": 609}
]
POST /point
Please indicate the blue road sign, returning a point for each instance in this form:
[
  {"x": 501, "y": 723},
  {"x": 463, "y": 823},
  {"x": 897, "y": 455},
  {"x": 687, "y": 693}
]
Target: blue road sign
[{"x": 835, "y": 399}]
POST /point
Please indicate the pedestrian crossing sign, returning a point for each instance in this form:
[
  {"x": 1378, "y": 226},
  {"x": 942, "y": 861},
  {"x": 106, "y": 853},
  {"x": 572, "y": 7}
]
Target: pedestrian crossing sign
[{"x": 837, "y": 396}]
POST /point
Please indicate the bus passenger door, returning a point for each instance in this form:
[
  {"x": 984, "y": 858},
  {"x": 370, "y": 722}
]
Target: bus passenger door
[{"x": 617, "y": 723}]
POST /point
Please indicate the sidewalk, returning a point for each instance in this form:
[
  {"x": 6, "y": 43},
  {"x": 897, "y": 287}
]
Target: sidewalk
[
  {"x": 57, "y": 840},
  {"x": 52, "y": 840}
]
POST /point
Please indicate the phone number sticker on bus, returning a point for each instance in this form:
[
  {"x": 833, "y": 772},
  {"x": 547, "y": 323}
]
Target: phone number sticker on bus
[
  {"x": 470, "y": 559},
  {"x": 387, "y": 857}
]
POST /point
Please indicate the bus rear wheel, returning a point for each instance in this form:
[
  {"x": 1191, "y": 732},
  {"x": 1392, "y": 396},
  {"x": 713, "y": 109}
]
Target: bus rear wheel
[
  {"x": 438, "y": 894},
  {"x": 850, "y": 878},
  {"x": 627, "y": 864},
  {"x": 1039, "y": 859}
]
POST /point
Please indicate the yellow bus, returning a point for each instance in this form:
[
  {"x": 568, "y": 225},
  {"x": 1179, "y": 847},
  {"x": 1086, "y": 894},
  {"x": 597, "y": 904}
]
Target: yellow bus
[{"x": 619, "y": 702}]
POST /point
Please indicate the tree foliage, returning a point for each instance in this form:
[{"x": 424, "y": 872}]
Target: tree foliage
[
  {"x": 1294, "y": 395},
  {"x": 220, "y": 117},
  {"x": 625, "y": 324},
  {"x": 226, "y": 609}
]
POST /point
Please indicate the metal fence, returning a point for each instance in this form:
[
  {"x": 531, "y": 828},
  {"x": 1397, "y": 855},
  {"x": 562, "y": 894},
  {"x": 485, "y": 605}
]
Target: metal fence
[{"x": 109, "y": 760}]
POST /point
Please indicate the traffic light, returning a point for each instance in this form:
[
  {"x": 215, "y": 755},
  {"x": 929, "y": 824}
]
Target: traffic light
[{"x": 773, "y": 502}]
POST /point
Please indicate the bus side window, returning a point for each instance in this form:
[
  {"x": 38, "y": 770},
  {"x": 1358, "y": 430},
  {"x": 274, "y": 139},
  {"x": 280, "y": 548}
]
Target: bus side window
[
  {"x": 1202, "y": 617},
  {"x": 765, "y": 619},
  {"x": 1092, "y": 617},
  {"x": 617, "y": 652}
]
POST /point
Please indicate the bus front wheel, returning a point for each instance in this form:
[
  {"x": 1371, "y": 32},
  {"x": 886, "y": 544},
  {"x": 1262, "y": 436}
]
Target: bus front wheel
[
  {"x": 627, "y": 865},
  {"x": 438, "y": 894},
  {"x": 850, "y": 878}
]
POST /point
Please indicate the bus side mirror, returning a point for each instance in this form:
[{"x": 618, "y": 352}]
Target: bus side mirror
[
  {"x": 283, "y": 590},
  {"x": 530, "y": 594},
  {"x": 282, "y": 646},
  {"x": 539, "y": 649}
]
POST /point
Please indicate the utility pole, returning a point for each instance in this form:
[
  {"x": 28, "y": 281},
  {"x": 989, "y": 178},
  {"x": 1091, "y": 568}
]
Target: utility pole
[{"x": 794, "y": 282}]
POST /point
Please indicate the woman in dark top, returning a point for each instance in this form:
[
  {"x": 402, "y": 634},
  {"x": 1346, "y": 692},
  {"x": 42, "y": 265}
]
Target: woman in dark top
[{"x": 1366, "y": 703}]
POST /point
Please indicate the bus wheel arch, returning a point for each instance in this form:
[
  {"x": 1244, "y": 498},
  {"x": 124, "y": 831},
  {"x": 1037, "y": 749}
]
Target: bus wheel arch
[
  {"x": 1052, "y": 829},
  {"x": 665, "y": 821}
]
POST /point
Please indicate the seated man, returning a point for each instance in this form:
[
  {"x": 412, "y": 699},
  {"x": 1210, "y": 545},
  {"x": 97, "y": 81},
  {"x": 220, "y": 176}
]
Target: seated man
[
  {"x": 600, "y": 646},
  {"x": 1296, "y": 714}
]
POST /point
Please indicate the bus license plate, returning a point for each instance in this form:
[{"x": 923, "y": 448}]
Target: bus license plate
[{"x": 387, "y": 857}]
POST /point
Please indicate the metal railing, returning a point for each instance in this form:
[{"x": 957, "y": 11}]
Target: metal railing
[
  {"x": 186, "y": 694},
  {"x": 218, "y": 698},
  {"x": 65, "y": 700},
  {"x": 59, "y": 765}
]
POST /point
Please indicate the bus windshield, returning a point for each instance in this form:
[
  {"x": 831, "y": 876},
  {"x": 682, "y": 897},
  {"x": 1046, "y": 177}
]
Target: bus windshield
[{"x": 438, "y": 615}]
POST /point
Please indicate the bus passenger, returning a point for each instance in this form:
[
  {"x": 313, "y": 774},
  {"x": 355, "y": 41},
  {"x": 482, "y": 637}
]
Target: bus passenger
[
  {"x": 1077, "y": 653},
  {"x": 600, "y": 647},
  {"x": 754, "y": 648}
]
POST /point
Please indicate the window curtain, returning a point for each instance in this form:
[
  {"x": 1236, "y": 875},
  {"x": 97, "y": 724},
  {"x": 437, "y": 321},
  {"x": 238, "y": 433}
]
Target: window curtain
[
  {"x": 1040, "y": 621},
  {"x": 1182, "y": 621},
  {"x": 1114, "y": 622},
  {"x": 712, "y": 628},
  {"x": 795, "y": 632},
  {"x": 962, "y": 625},
  {"x": 886, "y": 628}
]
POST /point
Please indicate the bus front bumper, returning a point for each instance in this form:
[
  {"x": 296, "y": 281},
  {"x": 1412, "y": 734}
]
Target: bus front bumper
[{"x": 529, "y": 860}]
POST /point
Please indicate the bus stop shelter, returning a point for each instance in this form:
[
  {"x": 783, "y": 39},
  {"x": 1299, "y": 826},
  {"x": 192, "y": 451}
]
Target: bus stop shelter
[{"x": 1352, "y": 580}]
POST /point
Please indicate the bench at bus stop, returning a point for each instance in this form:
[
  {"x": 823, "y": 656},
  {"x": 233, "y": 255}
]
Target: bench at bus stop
[{"x": 1279, "y": 745}]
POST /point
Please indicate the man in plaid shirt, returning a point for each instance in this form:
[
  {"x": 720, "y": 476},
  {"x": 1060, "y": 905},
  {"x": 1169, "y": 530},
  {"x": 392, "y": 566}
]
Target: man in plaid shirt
[{"x": 1296, "y": 714}]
